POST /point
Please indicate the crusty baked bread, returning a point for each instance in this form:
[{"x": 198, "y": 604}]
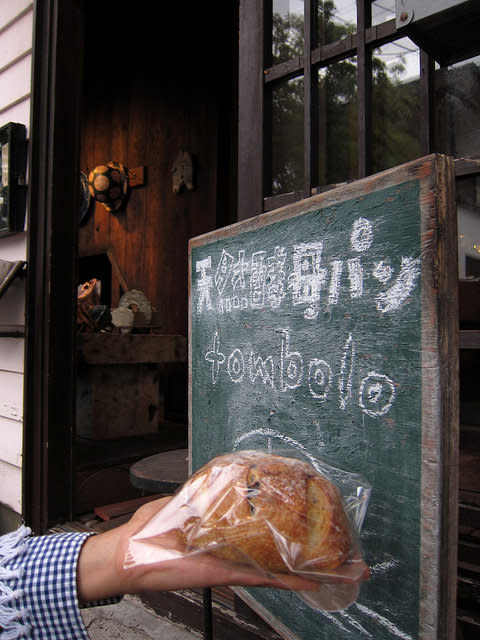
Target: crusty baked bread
[{"x": 276, "y": 511}]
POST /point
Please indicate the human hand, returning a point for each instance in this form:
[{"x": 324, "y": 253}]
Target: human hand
[{"x": 101, "y": 573}]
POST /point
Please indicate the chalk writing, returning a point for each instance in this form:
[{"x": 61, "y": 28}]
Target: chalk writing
[
  {"x": 377, "y": 393},
  {"x": 362, "y": 235},
  {"x": 289, "y": 369},
  {"x": 204, "y": 283},
  {"x": 223, "y": 272},
  {"x": 304, "y": 276},
  {"x": 402, "y": 287},
  {"x": 319, "y": 378},
  {"x": 215, "y": 357},
  {"x": 346, "y": 372}
]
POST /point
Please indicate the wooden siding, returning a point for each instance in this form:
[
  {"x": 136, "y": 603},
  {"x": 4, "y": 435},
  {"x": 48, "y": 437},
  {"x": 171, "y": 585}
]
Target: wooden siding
[{"x": 16, "y": 24}]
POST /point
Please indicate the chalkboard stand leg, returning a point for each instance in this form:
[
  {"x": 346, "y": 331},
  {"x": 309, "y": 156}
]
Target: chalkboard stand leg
[{"x": 207, "y": 614}]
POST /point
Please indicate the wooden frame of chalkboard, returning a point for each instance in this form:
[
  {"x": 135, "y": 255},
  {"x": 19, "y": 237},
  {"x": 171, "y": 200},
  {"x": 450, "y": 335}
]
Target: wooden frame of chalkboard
[{"x": 329, "y": 327}]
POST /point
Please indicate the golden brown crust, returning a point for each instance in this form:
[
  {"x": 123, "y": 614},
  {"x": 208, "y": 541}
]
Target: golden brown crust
[{"x": 277, "y": 512}]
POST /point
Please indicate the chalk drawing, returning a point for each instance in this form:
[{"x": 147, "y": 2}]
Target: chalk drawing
[
  {"x": 382, "y": 272},
  {"x": 308, "y": 277},
  {"x": 261, "y": 368},
  {"x": 354, "y": 623},
  {"x": 215, "y": 357},
  {"x": 384, "y": 567},
  {"x": 334, "y": 620},
  {"x": 319, "y": 378},
  {"x": 275, "y": 277},
  {"x": 204, "y": 283},
  {"x": 239, "y": 269},
  {"x": 384, "y": 622},
  {"x": 362, "y": 235},
  {"x": 272, "y": 434},
  {"x": 355, "y": 275},
  {"x": 257, "y": 280},
  {"x": 394, "y": 297},
  {"x": 301, "y": 273},
  {"x": 346, "y": 372},
  {"x": 291, "y": 364},
  {"x": 288, "y": 370},
  {"x": 334, "y": 287},
  {"x": 236, "y": 366},
  {"x": 376, "y": 395},
  {"x": 223, "y": 272}
]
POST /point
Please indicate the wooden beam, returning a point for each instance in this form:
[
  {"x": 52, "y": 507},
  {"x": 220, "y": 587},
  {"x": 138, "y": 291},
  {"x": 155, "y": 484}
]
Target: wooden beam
[{"x": 251, "y": 101}]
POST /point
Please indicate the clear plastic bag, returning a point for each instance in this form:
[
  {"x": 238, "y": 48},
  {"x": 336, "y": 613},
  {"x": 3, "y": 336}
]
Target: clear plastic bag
[{"x": 283, "y": 515}]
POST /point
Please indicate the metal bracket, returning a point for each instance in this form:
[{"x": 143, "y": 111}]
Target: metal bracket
[{"x": 403, "y": 13}]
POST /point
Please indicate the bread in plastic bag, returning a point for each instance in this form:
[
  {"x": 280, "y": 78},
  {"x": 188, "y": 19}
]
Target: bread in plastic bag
[{"x": 274, "y": 512}]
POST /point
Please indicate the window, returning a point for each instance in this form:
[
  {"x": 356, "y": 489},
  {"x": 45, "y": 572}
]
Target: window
[
  {"x": 337, "y": 122},
  {"x": 395, "y": 104},
  {"x": 287, "y": 136},
  {"x": 334, "y": 91},
  {"x": 457, "y": 98}
]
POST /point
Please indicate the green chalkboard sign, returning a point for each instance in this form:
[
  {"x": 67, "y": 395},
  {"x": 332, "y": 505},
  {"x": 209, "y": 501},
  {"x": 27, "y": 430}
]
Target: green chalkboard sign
[{"x": 328, "y": 327}]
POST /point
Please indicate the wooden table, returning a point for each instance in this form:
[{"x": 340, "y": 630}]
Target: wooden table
[{"x": 163, "y": 473}]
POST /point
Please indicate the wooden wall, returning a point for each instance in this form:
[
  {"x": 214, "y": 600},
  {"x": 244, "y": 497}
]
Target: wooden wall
[{"x": 153, "y": 87}]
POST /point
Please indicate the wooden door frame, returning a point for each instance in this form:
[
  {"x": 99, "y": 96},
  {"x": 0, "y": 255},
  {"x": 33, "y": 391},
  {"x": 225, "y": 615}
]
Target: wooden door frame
[{"x": 49, "y": 390}]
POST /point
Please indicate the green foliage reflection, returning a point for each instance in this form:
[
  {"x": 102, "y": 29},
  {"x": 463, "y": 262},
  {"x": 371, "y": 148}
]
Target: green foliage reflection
[{"x": 395, "y": 109}]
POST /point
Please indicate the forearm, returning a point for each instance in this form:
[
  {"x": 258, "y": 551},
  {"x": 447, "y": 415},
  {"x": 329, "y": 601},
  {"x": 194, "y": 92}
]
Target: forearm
[{"x": 98, "y": 573}]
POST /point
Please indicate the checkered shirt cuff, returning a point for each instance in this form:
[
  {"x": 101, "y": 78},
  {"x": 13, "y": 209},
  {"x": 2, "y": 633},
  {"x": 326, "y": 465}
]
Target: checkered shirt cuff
[
  {"x": 50, "y": 587},
  {"x": 38, "y": 586}
]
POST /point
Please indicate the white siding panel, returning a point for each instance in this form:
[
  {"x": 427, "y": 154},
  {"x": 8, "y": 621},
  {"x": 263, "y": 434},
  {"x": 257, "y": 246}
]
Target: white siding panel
[
  {"x": 18, "y": 113},
  {"x": 16, "y": 40},
  {"x": 11, "y": 437},
  {"x": 9, "y": 9},
  {"x": 11, "y": 486},
  {"x": 12, "y": 306},
  {"x": 11, "y": 355},
  {"x": 16, "y": 36},
  {"x": 15, "y": 82},
  {"x": 11, "y": 396}
]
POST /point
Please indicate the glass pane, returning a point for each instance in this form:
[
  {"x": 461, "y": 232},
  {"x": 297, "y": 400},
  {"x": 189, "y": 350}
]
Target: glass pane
[
  {"x": 336, "y": 19},
  {"x": 468, "y": 215},
  {"x": 337, "y": 127},
  {"x": 395, "y": 104},
  {"x": 287, "y": 36},
  {"x": 457, "y": 108},
  {"x": 287, "y": 136},
  {"x": 382, "y": 10}
]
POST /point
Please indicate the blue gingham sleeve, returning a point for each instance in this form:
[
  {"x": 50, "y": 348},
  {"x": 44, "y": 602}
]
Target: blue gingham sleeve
[{"x": 38, "y": 586}]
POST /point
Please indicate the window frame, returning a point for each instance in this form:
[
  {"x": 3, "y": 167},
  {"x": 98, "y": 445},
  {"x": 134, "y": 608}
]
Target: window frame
[{"x": 257, "y": 77}]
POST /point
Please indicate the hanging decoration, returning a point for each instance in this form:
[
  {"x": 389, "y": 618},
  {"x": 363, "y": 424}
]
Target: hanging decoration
[{"x": 108, "y": 184}]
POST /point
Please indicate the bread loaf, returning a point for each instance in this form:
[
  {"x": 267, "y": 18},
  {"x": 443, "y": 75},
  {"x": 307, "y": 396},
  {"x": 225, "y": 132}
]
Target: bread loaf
[{"x": 276, "y": 511}]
